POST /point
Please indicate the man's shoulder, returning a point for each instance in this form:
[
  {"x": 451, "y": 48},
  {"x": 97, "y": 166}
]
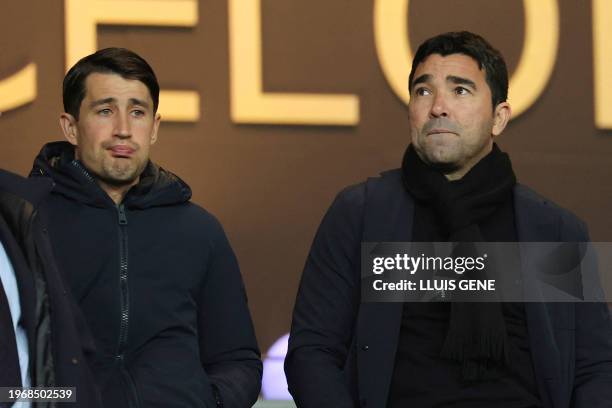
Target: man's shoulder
[
  {"x": 376, "y": 199},
  {"x": 198, "y": 212},
  {"x": 33, "y": 190},
  {"x": 528, "y": 201},
  {"x": 355, "y": 194},
  {"x": 535, "y": 199},
  {"x": 200, "y": 218}
]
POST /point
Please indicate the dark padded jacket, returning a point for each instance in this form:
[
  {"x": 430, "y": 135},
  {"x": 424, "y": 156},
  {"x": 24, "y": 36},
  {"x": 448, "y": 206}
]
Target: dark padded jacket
[
  {"x": 159, "y": 286},
  {"x": 342, "y": 354},
  {"x": 57, "y": 335}
]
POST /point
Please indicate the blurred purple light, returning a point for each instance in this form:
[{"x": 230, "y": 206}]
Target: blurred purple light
[{"x": 274, "y": 383}]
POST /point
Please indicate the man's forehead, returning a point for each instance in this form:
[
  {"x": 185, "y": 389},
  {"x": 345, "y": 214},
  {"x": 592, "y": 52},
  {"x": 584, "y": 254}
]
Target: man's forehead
[
  {"x": 451, "y": 64},
  {"x": 110, "y": 85}
]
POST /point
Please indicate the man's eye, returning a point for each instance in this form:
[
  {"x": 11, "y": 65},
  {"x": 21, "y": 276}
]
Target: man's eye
[
  {"x": 461, "y": 90},
  {"x": 105, "y": 111},
  {"x": 422, "y": 91},
  {"x": 138, "y": 113}
]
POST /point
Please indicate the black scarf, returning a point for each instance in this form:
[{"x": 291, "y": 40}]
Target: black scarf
[{"x": 477, "y": 336}]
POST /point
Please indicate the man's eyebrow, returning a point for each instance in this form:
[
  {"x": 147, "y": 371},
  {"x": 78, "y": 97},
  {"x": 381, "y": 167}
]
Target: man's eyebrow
[
  {"x": 423, "y": 78},
  {"x": 101, "y": 102},
  {"x": 461, "y": 81},
  {"x": 139, "y": 102},
  {"x": 133, "y": 101}
]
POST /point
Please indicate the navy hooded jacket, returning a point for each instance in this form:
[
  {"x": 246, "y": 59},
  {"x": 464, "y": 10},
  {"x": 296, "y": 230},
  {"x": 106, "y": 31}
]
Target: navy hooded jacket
[{"x": 159, "y": 286}]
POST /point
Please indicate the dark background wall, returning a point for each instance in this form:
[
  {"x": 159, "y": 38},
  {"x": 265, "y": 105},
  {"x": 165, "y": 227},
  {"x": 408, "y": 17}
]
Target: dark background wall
[{"x": 271, "y": 184}]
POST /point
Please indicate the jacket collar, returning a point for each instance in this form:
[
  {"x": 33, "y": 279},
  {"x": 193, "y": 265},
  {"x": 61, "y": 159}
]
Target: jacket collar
[{"x": 156, "y": 187}]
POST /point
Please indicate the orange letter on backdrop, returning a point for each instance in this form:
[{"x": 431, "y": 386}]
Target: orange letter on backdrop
[
  {"x": 18, "y": 89},
  {"x": 82, "y": 17},
  {"x": 602, "y": 62},
  {"x": 527, "y": 82},
  {"x": 249, "y": 102}
]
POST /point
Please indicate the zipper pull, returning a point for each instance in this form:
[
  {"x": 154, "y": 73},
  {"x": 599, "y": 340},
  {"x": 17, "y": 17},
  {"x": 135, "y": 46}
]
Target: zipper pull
[{"x": 121, "y": 214}]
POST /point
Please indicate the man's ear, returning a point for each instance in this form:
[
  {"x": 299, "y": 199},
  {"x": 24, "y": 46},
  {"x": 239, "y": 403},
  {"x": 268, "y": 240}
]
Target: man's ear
[
  {"x": 156, "y": 122},
  {"x": 501, "y": 116},
  {"x": 68, "y": 123}
]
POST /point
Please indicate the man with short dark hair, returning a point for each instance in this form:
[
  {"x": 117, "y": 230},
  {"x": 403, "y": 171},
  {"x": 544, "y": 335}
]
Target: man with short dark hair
[
  {"x": 153, "y": 273},
  {"x": 455, "y": 185}
]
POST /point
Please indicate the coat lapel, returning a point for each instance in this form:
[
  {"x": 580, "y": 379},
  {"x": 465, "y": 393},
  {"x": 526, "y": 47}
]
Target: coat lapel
[
  {"x": 536, "y": 221},
  {"x": 388, "y": 218}
]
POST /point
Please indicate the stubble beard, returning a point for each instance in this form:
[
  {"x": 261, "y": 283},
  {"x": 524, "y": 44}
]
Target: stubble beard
[
  {"x": 118, "y": 174},
  {"x": 443, "y": 157},
  {"x": 449, "y": 157}
]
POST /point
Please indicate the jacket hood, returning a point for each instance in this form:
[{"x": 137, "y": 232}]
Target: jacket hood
[{"x": 157, "y": 187}]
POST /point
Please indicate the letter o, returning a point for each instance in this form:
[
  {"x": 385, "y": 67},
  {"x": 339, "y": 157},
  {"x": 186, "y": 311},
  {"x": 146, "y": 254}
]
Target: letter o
[{"x": 526, "y": 84}]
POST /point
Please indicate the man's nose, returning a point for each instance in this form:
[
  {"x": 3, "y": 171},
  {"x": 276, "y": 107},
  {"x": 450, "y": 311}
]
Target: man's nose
[
  {"x": 122, "y": 126},
  {"x": 439, "y": 107}
]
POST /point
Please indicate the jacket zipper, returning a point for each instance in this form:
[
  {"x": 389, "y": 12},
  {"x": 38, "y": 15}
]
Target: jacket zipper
[
  {"x": 124, "y": 302},
  {"x": 123, "y": 294},
  {"x": 84, "y": 172},
  {"x": 123, "y": 279}
]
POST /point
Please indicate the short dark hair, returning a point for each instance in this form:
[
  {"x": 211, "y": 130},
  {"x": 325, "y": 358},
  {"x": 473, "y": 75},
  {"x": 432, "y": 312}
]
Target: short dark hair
[
  {"x": 472, "y": 45},
  {"x": 120, "y": 61}
]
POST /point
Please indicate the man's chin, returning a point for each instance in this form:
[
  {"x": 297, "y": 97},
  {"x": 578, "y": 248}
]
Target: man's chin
[
  {"x": 445, "y": 167},
  {"x": 120, "y": 177},
  {"x": 443, "y": 164},
  {"x": 119, "y": 181}
]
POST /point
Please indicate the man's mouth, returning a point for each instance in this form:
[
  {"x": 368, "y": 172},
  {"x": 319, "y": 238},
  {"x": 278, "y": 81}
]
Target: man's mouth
[
  {"x": 440, "y": 131},
  {"x": 121, "y": 151}
]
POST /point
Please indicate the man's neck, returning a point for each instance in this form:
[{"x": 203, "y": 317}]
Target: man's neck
[
  {"x": 116, "y": 193},
  {"x": 463, "y": 170},
  {"x": 457, "y": 175}
]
